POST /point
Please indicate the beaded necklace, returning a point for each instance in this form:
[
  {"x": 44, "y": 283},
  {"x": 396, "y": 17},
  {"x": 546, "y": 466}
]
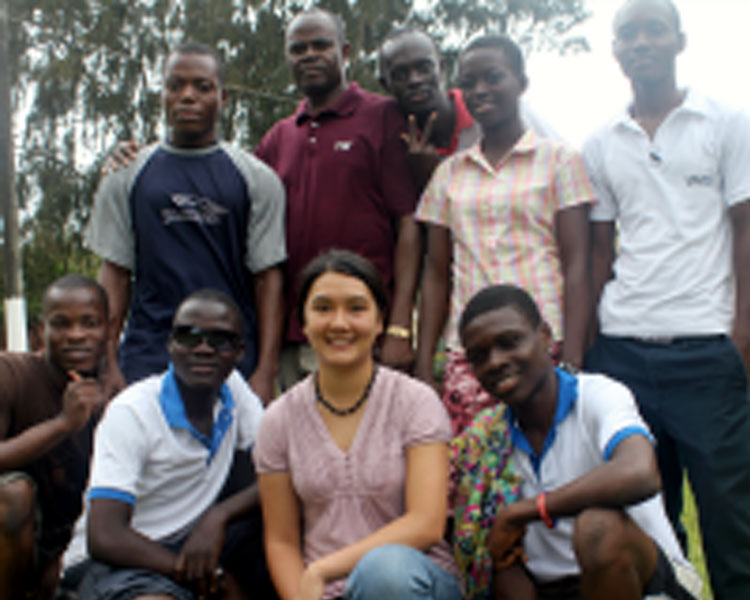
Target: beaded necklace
[{"x": 343, "y": 412}]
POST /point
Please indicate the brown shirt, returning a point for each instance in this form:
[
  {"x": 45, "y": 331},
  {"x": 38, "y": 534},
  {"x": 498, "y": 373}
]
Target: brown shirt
[{"x": 29, "y": 395}]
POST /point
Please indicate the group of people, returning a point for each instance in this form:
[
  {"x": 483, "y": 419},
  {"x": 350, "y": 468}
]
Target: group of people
[{"x": 301, "y": 264}]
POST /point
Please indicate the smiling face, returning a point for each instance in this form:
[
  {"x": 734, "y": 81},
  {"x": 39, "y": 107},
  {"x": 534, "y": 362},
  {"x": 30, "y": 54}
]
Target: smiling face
[
  {"x": 192, "y": 99},
  {"x": 75, "y": 328},
  {"x": 647, "y": 41},
  {"x": 510, "y": 357},
  {"x": 411, "y": 72},
  {"x": 203, "y": 365},
  {"x": 342, "y": 320},
  {"x": 490, "y": 86},
  {"x": 316, "y": 54}
]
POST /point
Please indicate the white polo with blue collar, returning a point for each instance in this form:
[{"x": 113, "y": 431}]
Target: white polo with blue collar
[
  {"x": 149, "y": 455},
  {"x": 594, "y": 414}
]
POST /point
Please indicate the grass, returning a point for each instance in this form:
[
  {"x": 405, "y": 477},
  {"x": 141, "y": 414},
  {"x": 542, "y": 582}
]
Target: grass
[{"x": 695, "y": 549}]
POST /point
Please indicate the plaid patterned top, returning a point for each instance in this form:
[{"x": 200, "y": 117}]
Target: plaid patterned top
[{"x": 502, "y": 220}]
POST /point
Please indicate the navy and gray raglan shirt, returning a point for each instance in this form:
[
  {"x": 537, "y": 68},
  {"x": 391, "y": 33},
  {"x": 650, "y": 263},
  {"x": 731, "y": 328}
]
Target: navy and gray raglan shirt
[{"x": 180, "y": 220}]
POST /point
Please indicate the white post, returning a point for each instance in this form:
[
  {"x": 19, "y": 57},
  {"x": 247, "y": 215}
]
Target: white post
[{"x": 15, "y": 324}]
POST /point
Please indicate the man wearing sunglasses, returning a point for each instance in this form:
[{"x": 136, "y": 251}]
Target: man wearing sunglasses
[{"x": 163, "y": 517}]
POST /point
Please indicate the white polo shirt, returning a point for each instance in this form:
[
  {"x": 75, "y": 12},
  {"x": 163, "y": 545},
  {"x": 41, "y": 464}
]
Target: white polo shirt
[
  {"x": 148, "y": 454},
  {"x": 594, "y": 414},
  {"x": 670, "y": 197}
]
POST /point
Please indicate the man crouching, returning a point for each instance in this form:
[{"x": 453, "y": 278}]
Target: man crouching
[
  {"x": 589, "y": 523},
  {"x": 157, "y": 524}
]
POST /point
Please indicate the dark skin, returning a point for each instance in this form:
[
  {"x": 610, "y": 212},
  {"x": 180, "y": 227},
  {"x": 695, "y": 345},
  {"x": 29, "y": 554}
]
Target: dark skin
[
  {"x": 510, "y": 359},
  {"x": 492, "y": 90},
  {"x": 398, "y": 352},
  {"x": 412, "y": 72},
  {"x": 192, "y": 98},
  {"x": 268, "y": 290},
  {"x": 646, "y": 44},
  {"x": 200, "y": 372},
  {"x": 75, "y": 334},
  {"x": 603, "y": 256},
  {"x": 434, "y": 299},
  {"x": 316, "y": 56}
]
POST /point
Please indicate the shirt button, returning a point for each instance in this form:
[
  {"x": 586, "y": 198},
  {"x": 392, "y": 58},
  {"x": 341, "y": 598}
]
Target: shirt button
[
  {"x": 314, "y": 124},
  {"x": 313, "y": 139}
]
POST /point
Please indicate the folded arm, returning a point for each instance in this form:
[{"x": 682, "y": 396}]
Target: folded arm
[{"x": 631, "y": 475}]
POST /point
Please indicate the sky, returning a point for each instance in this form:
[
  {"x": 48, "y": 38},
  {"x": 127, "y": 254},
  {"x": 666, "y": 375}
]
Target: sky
[{"x": 577, "y": 93}]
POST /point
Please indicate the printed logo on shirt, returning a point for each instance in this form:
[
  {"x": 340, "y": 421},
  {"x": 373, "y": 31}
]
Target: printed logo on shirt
[
  {"x": 702, "y": 180},
  {"x": 193, "y": 209},
  {"x": 343, "y": 145}
]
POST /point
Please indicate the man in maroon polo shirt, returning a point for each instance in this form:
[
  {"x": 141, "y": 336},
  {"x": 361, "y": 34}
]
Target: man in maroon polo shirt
[{"x": 343, "y": 164}]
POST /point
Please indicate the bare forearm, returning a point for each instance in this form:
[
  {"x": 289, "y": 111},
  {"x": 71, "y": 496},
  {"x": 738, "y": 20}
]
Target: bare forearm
[
  {"x": 268, "y": 305},
  {"x": 434, "y": 302},
  {"x": 116, "y": 282},
  {"x": 286, "y": 567},
  {"x": 123, "y": 546},
  {"x": 577, "y": 312},
  {"x": 433, "y": 313},
  {"x": 239, "y": 504},
  {"x": 112, "y": 540},
  {"x": 621, "y": 482},
  {"x": 135, "y": 551},
  {"x": 602, "y": 257},
  {"x": 34, "y": 442},
  {"x": 406, "y": 272},
  {"x": 572, "y": 231},
  {"x": 740, "y": 216}
]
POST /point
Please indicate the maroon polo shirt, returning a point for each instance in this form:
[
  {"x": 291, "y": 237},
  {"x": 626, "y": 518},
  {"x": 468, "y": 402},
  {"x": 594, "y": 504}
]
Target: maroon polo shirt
[{"x": 347, "y": 183}]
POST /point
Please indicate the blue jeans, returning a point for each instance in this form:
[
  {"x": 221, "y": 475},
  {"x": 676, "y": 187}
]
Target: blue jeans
[
  {"x": 396, "y": 572},
  {"x": 693, "y": 393}
]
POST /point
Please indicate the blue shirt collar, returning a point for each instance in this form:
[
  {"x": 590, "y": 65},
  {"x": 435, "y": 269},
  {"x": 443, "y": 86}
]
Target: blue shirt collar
[
  {"x": 567, "y": 392},
  {"x": 173, "y": 408}
]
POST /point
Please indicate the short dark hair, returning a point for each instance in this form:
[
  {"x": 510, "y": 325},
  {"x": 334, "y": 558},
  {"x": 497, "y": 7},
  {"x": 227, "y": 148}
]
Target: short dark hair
[
  {"x": 338, "y": 23},
  {"x": 505, "y": 44},
  {"x": 214, "y": 295},
  {"x": 193, "y": 47},
  {"x": 671, "y": 6},
  {"x": 73, "y": 281},
  {"x": 396, "y": 33},
  {"x": 499, "y": 296},
  {"x": 346, "y": 263}
]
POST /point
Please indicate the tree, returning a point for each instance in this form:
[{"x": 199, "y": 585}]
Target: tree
[{"x": 86, "y": 73}]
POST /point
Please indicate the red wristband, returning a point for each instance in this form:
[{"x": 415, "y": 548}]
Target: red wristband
[{"x": 541, "y": 506}]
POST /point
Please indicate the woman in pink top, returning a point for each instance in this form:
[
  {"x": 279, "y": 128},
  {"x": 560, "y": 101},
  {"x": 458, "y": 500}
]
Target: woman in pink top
[{"x": 352, "y": 461}]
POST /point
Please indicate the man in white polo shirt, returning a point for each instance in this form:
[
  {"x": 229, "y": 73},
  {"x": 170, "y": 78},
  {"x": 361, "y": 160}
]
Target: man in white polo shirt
[
  {"x": 589, "y": 524},
  {"x": 157, "y": 523},
  {"x": 673, "y": 173}
]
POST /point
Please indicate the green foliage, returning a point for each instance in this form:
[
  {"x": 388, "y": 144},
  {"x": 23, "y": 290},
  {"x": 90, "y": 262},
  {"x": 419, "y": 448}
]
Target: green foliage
[{"x": 87, "y": 73}]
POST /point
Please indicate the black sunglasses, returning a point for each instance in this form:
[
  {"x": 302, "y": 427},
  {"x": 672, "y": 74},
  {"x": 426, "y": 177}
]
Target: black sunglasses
[{"x": 219, "y": 339}]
